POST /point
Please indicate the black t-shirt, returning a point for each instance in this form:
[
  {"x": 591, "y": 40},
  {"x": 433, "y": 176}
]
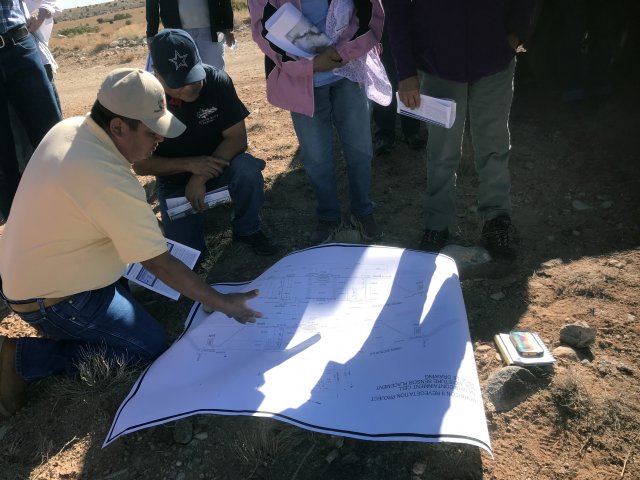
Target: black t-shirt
[{"x": 216, "y": 109}]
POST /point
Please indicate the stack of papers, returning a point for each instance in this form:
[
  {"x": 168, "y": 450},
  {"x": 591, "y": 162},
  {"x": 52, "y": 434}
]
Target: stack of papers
[
  {"x": 439, "y": 111},
  {"x": 510, "y": 355},
  {"x": 291, "y": 31},
  {"x": 181, "y": 207},
  {"x": 138, "y": 274}
]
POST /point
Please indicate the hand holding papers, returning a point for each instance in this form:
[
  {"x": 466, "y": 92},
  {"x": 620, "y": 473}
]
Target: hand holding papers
[
  {"x": 181, "y": 207},
  {"x": 294, "y": 33},
  {"x": 138, "y": 274},
  {"x": 438, "y": 111}
]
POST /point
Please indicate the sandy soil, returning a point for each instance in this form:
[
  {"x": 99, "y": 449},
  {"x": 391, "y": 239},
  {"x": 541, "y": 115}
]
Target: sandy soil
[{"x": 574, "y": 264}]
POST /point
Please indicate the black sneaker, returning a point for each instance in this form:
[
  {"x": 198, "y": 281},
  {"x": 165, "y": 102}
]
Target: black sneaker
[
  {"x": 368, "y": 227},
  {"x": 382, "y": 145},
  {"x": 415, "y": 140},
  {"x": 434, "y": 240},
  {"x": 324, "y": 232},
  {"x": 497, "y": 234},
  {"x": 261, "y": 244}
]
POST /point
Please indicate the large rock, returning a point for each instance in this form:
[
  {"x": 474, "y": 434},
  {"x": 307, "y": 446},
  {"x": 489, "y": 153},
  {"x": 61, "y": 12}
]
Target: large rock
[
  {"x": 469, "y": 260},
  {"x": 578, "y": 334},
  {"x": 510, "y": 386}
]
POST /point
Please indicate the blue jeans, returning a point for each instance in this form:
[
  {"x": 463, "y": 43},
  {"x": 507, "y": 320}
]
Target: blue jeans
[
  {"x": 246, "y": 188},
  {"x": 107, "y": 321},
  {"x": 23, "y": 84},
  {"x": 343, "y": 104},
  {"x": 488, "y": 102}
]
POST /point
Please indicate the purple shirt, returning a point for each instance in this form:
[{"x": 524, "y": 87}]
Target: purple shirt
[{"x": 458, "y": 40}]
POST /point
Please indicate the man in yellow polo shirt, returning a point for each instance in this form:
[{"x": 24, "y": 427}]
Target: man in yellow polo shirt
[{"x": 79, "y": 216}]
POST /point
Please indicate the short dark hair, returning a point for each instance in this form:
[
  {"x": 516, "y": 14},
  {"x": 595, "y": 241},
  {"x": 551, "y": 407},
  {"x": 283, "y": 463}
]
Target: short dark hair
[{"x": 103, "y": 116}]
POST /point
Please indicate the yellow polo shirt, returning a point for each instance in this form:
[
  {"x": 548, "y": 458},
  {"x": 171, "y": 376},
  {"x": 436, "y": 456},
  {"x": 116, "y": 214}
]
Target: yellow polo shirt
[{"x": 79, "y": 216}]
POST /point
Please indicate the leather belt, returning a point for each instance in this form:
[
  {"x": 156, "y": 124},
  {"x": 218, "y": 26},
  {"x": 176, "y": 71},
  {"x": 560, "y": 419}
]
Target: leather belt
[
  {"x": 13, "y": 35},
  {"x": 34, "y": 306}
]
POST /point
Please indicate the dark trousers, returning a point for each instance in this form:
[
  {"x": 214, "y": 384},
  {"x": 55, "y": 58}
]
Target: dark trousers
[{"x": 24, "y": 85}]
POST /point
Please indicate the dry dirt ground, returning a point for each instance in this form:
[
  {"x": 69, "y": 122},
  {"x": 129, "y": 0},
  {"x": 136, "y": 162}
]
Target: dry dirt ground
[{"x": 576, "y": 208}]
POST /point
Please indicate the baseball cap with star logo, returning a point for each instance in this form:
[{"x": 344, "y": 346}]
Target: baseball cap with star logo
[{"x": 176, "y": 58}]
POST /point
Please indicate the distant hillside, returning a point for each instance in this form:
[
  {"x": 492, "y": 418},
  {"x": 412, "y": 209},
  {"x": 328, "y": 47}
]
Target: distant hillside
[
  {"x": 117, "y": 6},
  {"x": 99, "y": 9}
]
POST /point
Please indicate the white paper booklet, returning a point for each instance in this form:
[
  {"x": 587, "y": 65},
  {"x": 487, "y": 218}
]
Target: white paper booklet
[
  {"x": 511, "y": 357},
  {"x": 439, "y": 111},
  {"x": 181, "y": 207},
  {"x": 290, "y": 30},
  {"x": 138, "y": 274}
]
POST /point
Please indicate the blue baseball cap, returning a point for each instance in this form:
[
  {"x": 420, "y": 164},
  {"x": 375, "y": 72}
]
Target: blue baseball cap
[{"x": 176, "y": 58}]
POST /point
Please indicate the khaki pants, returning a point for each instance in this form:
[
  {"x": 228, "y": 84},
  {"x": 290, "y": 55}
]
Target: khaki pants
[{"x": 488, "y": 102}]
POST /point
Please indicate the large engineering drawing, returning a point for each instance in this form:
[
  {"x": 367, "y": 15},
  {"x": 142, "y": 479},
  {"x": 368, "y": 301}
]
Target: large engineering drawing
[{"x": 365, "y": 341}]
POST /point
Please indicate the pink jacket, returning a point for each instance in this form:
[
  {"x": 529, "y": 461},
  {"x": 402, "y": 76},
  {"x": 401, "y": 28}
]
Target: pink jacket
[{"x": 290, "y": 78}]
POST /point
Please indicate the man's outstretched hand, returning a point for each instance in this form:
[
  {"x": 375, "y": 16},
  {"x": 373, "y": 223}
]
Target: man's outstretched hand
[{"x": 236, "y": 307}]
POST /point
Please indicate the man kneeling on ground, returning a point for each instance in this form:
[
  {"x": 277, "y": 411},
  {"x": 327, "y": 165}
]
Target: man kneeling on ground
[
  {"x": 79, "y": 216},
  {"x": 211, "y": 153}
]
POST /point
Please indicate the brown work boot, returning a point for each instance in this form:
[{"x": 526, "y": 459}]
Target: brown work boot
[{"x": 12, "y": 386}]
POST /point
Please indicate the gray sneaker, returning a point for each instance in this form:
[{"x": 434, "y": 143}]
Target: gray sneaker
[{"x": 369, "y": 229}]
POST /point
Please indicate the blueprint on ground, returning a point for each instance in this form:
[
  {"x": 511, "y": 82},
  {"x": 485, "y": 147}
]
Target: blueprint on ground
[{"x": 369, "y": 342}]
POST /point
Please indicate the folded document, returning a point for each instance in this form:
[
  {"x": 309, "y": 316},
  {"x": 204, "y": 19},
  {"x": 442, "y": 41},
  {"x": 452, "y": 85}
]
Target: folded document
[
  {"x": 439, "y": 111},
  {"x": 140, "y": 275},
  {"x": 181, "y": 207}
]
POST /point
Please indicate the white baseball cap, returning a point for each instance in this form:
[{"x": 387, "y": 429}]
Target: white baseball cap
[{"x": 136, "y": 94}]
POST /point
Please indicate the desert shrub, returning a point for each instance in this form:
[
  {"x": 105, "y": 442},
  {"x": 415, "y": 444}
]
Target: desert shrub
[
  {"x": 102, "y": 377},
  {"x": 100, "y": 20},
  {"x": 79, "y": 30},
  {"x": 121, "y": 16},
  {"x": 128, "y": 22},
  {"x": 571, "y": 399},
  {"x": 100, "y": 47}
]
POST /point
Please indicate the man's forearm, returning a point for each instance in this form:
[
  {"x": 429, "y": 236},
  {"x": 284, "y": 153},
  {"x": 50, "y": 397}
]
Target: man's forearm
[
  {"x": 230, "y": 148},
  {"x": 179, "y": 277},
  {"x": 157, "y": 165}
]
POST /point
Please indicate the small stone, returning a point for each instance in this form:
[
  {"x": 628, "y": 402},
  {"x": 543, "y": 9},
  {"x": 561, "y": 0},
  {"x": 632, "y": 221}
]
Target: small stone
[
  {"x": 625, "y": 370},
  {"x": 179, "y": 463},
  {"x": 181, "y": 476},
  {"x": 578, "y": 334},
  {"x": 607, "y": 204},
  {"x": 580, "y": 205},
  {"x": 567, "y": 353},
  {"x": 332, "y": 455},
  {"x": 419, "y": 468},
  {"x": 575, "y": 233},
  {"x": 554, "y": 262},
  {"x": 183, "y": 431},
  {"x": 483, "y": 348},
  {"x": 631, "y": 317},
  {"x": 497, "y": 296},
  {"x": 201, "y": 435}
]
